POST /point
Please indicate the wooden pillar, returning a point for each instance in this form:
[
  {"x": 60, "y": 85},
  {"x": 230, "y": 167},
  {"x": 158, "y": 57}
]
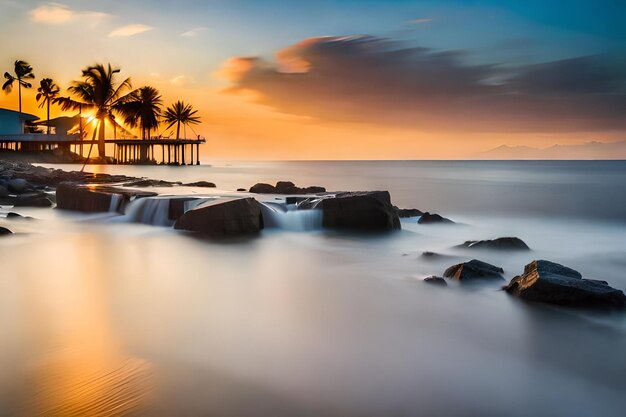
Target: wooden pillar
[{"x": 197, "y": 153}]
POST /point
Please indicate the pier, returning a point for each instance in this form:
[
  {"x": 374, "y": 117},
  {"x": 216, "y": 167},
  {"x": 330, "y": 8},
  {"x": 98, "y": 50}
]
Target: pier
[{"x": 125, "y": 151}]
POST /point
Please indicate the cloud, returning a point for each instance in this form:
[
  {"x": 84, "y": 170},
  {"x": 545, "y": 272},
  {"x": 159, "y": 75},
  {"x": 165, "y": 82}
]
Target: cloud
[
  {"x": 193, "y": 32},
  {"x": 421, "y": 20},
  {"x": 377, "y": 80},
  {"x": 179, "y": 81},
  {"x": 130, "y": 30},
  {"x": 57, "y": 14}
]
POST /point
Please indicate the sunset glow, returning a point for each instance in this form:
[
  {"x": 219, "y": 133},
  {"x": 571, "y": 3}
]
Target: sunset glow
[{"x": 346, "y": 79}]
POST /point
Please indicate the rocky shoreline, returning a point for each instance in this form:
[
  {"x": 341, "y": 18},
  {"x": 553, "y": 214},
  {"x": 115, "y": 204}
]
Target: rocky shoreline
[{"x": 23, "y": 184}]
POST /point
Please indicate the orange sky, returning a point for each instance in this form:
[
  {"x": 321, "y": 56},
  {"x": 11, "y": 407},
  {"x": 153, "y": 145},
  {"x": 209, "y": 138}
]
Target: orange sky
[{"x": 264, "y": 96}]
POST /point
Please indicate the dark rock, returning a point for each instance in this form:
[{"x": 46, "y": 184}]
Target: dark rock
[
  {"x": 549, "y": 282},
  {"x": 4, "y": 191},
  {"x": 501, "y": 243},
  {"x": 19, "y": 186},
  {"x": 428, "y": 218},
  {"x": 4, "y": 231},
  {"x": 371, "y": 210},
  {"x": 177, "y": 206},
  {"x": 262, "y": 188},
  {"x": 474, "y": 270},
  {"x": 224, "y": 217},
  {"x": 36, "y": 199},
  {"x": 435, "y": 280},
  {"x": 16, "y": 216},
  {"x": 284, "y": 187},
  {"x": 206, "y": 184},
  {"x": 242, "y": 189},
  {"x": 77, "y": 197},
  {"x": 405, "y": 213},
  {"x": 148, "y": 183}
]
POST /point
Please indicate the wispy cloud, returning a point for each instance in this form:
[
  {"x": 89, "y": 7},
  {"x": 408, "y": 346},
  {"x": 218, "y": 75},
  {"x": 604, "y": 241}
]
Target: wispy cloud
[
  {"x": 179, "y": 80},
  {"x": 420, "y": 21},
  {"x": 57, "y": 14},
  {"x": 130, "y": 30},
  {"x": 193, "y": 32}
]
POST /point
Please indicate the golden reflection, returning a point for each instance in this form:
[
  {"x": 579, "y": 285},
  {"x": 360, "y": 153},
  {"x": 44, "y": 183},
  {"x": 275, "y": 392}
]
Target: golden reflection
[{"x": 81, "y": 368}]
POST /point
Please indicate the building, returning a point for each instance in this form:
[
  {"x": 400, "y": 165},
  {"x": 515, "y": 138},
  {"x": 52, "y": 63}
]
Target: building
[{"x": 14, "y": 123}]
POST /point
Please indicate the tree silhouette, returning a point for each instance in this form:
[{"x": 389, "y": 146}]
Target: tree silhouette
[
  {"x": 23, "y": 71},
  {"x": 47, "y": 92},
  {"x": 180, "y": 113},
  {"x": 141, "y": 108}
]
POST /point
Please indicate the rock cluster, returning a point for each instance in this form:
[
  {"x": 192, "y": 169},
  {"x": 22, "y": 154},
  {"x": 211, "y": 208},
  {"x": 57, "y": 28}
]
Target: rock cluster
[
  {"x": 501, "y": 243},
  {"x": 285, "y": 187}
]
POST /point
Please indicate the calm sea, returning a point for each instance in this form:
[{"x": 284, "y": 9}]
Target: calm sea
[{"x": 99, "y": 315}]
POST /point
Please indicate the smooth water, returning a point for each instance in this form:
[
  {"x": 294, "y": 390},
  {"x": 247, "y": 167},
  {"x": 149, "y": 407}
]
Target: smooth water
[{"x": 102, "y": 316}]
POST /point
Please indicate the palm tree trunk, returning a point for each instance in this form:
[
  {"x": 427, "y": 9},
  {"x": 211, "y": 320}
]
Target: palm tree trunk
[
  {"x": 48, "y": 122},
  {"x": 101, "y": 149},
  {"x": 177, "y": 130},
  {"x": 19, "y": 94}
]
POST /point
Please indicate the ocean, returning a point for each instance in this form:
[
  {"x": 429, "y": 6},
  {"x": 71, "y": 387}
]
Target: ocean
[{"x": 99, "y": 313}]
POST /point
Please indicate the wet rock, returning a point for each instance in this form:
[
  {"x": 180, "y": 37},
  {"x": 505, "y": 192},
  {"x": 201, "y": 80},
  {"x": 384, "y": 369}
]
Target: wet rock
[
  {"x": 205, "y": 184},
  {"x": 368, "y": 211},
  {"x": 4, "y": 191},
  {"x": 428, "y": 218},
  {"x": 405, "y": 213},
  {"x": 241, "y": 189},
  {"x": 474, "y": 270},
  {"x": 501, "y": 243},
  {"x": 88, "y": 199},
  {"x": 222, "y": 218},
  {"x": 19, "y": 186},
  {"x": 433, "y": 279},
  {"x": 4, "y": 231},
  {"x": 549, "y": 282}
]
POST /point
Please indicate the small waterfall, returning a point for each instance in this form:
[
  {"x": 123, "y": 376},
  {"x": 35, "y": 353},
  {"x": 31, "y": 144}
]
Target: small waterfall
[
  {"x": 149, "y": 210},
  {"x": 114, "y": 205},
  {"x": 288, "y": 217}
]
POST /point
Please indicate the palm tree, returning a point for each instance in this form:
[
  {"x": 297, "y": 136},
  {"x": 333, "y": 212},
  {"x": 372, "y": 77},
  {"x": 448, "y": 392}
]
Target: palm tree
[
  {"x": 98, "y": 91},
  {"x": 23, "y": 71},
  {"x": 180, "y": 113},
  {"x": 47, "y": 92},
  {"x": 141, "y": 108}
]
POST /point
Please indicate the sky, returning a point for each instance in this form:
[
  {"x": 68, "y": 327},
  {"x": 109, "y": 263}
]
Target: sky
[{"x": 347, "y": 79}]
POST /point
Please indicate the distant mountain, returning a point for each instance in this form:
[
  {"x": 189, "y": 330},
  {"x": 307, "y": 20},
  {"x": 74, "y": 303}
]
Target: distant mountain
[{"x": 588, "y": 150}]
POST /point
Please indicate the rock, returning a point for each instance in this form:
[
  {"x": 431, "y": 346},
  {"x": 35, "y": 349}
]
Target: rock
[
  {"x": 368, "y": 211},
  {"x": 148, "y": 183},
  {"x": 428, "y": 218},
  {"x": 501, "y": 243},
  {"x": 16, "y": 216},
  {"x": 405, "y": 213},
  {"x": 4, "y": 191},
  {"x": 27, "y": 200},
  {"x": 549, "y": 282},
  {"x": 263, "y": 188},
  {"x": 224, "y": 217},
  {"x": 4, "y": 231},
  {"x": 206, "y": 184},
  {"x": 474, "y": 270},
  {"x": 242, "y": 189},
  {"x": 435, "y": 280},
  {"x": 284, "y": 187},
  {"x": 77, "y": 197},
  {"x": 19, "y": 186}
]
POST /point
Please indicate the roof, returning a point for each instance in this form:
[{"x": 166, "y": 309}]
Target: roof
[{"x": 25, "y": 116}]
